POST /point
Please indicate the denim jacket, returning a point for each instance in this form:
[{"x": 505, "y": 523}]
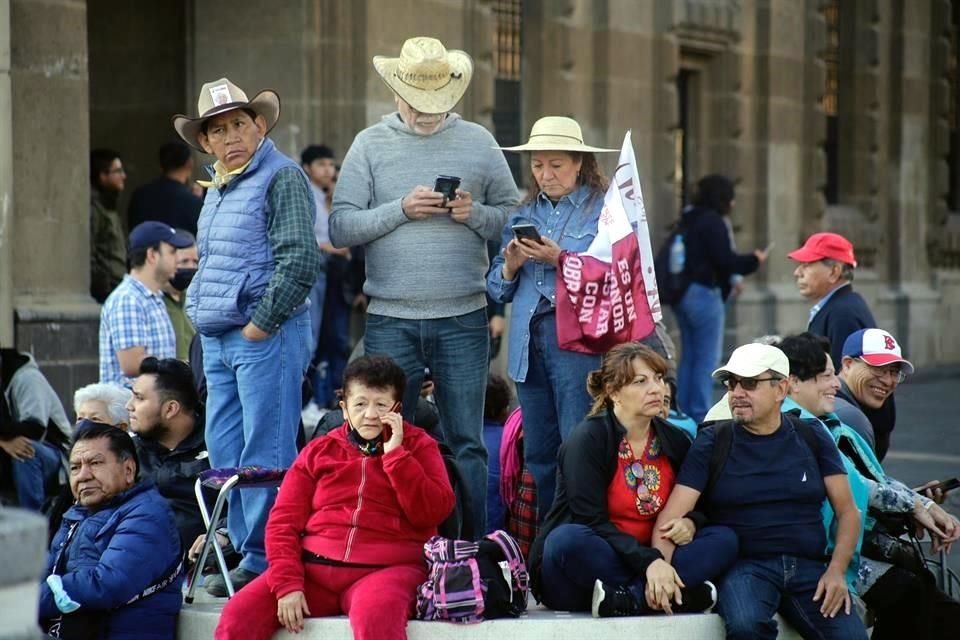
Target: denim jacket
[{"x": 572, "y": 224}]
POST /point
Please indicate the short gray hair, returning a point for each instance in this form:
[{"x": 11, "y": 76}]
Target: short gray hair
[
  {"x": 112, "y": 395},
  {"x": 846, "y": 271}
]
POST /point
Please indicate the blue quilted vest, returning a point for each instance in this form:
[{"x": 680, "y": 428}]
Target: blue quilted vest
[{"x": 236, "y": 262}]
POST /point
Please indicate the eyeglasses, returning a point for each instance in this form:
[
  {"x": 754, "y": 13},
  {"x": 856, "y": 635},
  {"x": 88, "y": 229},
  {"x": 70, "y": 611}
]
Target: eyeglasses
[
  {"x": 894, "y": 371},
  {"x": 748, "y": 384}
]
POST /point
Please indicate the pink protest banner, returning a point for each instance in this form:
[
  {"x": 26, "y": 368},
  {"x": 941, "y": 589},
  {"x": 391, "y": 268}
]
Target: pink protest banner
[{"x": 608, "y": 294}]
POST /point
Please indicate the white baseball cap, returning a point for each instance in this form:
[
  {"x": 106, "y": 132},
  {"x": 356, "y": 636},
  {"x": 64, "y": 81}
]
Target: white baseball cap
[{"x": 751, "y": 360}]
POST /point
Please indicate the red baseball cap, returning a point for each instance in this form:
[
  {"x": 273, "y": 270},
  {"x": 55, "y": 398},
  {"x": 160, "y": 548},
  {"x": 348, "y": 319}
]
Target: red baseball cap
[{"x": 825, "y": 245}]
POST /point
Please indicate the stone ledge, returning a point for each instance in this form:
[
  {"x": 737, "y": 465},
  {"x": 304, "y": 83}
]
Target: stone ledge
[
  {"x": 200, "y": 619},
  {"x": 23, "y": 546}
]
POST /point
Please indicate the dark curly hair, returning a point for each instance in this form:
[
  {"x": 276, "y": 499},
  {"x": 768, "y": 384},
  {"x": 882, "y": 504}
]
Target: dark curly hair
[
  {"x": 806, "y": 352},
  {"x": 715, "y": 192},
  {"x": 497, "y": 401},
  {"x": 375, "y": 372}
]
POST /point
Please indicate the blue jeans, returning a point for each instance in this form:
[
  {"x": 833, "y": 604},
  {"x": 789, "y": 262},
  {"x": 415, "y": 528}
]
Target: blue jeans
[
  {"x": 574, "y": 557},
  {"x": 700, "y": 316},
  {"x": 754, "y": 590},
  {"x": 253, "y": 413},
  {"x": 31, "y": 476},
  {"x": 554, "y": 399},
  {"x": 455, "y": 349},
  {"x": 333, "y": 347},
  {"x": 317, "y": 295}
]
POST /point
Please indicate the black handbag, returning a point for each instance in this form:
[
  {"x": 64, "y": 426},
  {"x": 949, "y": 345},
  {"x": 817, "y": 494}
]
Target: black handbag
[{"x": 892, "y": 540}]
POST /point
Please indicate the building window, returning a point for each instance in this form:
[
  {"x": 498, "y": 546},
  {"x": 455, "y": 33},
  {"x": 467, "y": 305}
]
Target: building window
[
  {"x": 506, "y": 53},
  {"x": 953, "y": 108},
  {"x": 507, "y": 60},
  {"x": 829, "y": 101}
]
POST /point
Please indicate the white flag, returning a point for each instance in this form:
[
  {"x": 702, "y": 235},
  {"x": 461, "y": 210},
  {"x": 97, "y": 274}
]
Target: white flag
[{"x": 625, "y": 192}]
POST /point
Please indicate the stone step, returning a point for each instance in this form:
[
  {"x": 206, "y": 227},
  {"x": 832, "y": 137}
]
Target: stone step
[{"x": 198, "y": 621}]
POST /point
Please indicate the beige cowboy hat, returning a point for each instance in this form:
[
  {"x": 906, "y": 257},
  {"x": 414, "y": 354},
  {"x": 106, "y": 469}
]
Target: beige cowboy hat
[
  {"x": 427, "y": 75},
  {"x": 556, "y": 133},
  {"x": 222, "y": 95}
]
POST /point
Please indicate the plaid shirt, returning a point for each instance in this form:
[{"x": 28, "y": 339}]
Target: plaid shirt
[
  {"x": 522, "y": 514},
  {"x": 290, "y": 217},
  {"x": 133, "y": 316}
]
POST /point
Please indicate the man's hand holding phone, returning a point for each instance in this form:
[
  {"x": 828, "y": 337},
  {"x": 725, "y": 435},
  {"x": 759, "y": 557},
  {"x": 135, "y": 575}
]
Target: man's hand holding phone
[
  {"x": 392, "y": 429},
  {"x": 461, "y": 207},
  {"x": 423, "y": 202}
]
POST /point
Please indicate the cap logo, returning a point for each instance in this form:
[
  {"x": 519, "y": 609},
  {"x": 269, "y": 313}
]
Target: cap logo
[
  {"x": 889, "y": 343},
  {"x": 219, "y": 94}
]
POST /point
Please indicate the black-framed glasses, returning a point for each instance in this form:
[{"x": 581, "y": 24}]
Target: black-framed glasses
[{"x": 748, "y": 384}]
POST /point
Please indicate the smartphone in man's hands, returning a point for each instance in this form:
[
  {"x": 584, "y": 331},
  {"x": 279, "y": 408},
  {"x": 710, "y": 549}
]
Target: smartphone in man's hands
[{"x": 447, "y": 185}]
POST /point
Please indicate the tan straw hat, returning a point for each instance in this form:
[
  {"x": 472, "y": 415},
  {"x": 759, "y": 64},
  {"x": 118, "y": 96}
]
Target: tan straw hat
[
  {"x": 220, "y": 96},
  {"x": 428, "y": 76},
  {"x": 556, "y": 133}
]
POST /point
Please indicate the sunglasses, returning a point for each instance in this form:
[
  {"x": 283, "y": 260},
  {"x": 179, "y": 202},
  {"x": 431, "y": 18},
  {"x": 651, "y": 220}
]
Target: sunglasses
[{"x": 748, "y": 384}]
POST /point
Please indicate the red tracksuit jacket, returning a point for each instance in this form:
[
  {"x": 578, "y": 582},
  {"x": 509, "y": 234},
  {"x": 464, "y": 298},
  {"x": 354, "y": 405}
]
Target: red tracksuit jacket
[{"x": 341, "y": 504}]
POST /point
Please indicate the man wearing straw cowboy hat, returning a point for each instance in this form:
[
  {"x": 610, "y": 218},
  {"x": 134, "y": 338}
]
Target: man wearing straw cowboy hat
[
  {"x": 248, "y": 300},
  {"x": 426, "y": 251}
]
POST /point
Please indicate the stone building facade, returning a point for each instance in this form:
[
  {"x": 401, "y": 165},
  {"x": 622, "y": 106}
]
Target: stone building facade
[{"x": 830, "y": 114}]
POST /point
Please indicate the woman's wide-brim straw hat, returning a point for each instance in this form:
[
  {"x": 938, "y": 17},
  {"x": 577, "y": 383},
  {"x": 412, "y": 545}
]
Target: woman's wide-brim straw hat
[
  {"x": 556, "y": 133},
  {"x": 427, "y": 75},
  {"x": 219, "y": 97}
]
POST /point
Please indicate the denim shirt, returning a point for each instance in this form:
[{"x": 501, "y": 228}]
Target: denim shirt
[{"x": 572, "y": 224}]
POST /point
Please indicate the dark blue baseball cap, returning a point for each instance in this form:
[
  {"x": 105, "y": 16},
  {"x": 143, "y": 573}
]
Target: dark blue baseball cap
[{"x": 148, "y": 234}]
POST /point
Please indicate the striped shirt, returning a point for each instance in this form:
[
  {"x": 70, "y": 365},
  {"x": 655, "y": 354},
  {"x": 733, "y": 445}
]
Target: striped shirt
[{"x": 133, "y": 316}]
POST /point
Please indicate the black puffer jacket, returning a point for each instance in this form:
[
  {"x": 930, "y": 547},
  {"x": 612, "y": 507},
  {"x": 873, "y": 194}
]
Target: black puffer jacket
[{"x": 175, "y": 473}]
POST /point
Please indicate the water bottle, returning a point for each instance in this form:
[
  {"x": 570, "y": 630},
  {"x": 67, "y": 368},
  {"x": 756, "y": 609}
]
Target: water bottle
[{"x": 678, "y": 255}]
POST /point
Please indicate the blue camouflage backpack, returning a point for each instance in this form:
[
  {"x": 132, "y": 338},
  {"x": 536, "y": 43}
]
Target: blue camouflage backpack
[{"x": 473, "y": 581}]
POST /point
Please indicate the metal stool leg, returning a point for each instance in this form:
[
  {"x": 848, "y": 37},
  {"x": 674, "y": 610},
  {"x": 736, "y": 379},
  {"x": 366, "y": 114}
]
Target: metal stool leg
[
  {"x": 221, "y": 561},
  {"x": 211, "y": 538}
]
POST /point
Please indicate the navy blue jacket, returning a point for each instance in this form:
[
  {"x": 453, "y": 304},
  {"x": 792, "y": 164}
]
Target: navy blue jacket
[
  {"x": 844, "y": 313},
  {"x": 166, "y": 200},
  {"x": 710, "y": 259},
  {"x": 115, "y": 553}
]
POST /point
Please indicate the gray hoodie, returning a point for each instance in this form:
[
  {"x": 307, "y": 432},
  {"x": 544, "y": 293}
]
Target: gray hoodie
[
  {"x": 421, "y": 269},
  {"x": 30, "y": 398}
]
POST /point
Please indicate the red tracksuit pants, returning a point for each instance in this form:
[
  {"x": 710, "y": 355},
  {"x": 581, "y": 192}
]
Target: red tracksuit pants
[{"x": 378, "y": 602}]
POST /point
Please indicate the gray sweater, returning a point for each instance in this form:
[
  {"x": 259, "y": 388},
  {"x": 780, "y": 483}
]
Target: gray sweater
[{"x": 421, "y": 269}]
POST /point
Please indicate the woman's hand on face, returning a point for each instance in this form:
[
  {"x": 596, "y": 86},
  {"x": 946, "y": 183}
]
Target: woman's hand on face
[
  {"x": 546, "y": 251},
  {"x": 291, "y": 609},
  {"x": 513, "y": 259},
  {"x": 679, "y": 531},
  {"x": 663, "y": 586},
  {"x": 393, "y": 422}
]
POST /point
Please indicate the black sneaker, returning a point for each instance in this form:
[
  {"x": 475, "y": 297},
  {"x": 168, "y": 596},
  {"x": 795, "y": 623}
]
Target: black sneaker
[
  {"x": 701, "y": 598},
  {"x": 239, "y": 578},
  {"x": 611, "y": 601}
]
